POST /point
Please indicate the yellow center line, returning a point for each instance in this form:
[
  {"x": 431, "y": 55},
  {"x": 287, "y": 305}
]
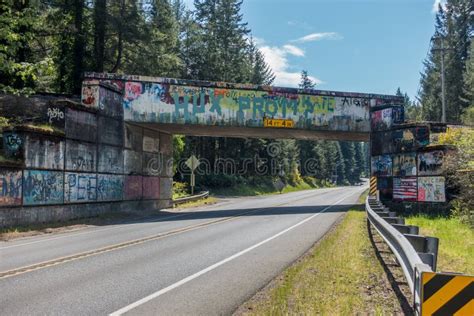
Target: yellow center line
[{"x": 65, "y": 259}]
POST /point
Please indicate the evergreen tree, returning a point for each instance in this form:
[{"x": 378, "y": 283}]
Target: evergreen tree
[
  {"x": 261, "y": 73},
  {"x": 412, "y": 109},
  {"x": 100, "y": 24},
  {"x": 21, "y": 70},
  {"x": 306, "y": 82},
  {"x": 453, "y": 31},
  {"x": 468, "y": 115},
  {"x": 349, "y": 162},
  {"x": 157, "y": 53},
  {"x": 360, "y": 161}
]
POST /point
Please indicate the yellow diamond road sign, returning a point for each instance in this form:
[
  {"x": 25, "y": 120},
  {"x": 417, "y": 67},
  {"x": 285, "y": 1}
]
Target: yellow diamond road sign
[{"x": 192, "y": 163}]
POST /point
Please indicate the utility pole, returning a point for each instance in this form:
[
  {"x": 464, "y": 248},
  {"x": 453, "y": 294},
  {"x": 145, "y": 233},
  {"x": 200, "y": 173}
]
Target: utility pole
[
  {"x": 443, "y": 86},
  {"x": 442, "y": 50}
]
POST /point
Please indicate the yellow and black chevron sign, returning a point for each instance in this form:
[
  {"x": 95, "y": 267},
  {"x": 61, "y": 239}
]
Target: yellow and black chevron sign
[
  {"x": 373, "y": 186},
  {"x": 447, "y": 294}
]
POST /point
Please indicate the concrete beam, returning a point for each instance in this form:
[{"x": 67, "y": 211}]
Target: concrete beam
[{"x": 249, "y": 132}]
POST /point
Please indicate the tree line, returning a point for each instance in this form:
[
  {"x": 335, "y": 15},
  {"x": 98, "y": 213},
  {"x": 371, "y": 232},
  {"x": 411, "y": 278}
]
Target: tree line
[
  {"x": 451, "y": 41},
  {"x": 46, "y": 46}
]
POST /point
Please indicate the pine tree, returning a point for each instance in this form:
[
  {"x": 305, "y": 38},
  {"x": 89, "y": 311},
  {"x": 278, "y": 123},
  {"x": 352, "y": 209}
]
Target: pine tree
[
  {"x": 100, "y": 23},
  {"x": 261, "y": 73},
  {"x": 360, "y": 161},
  {"x": 468, "y": 115},
  {"x": 158, "y": 51},
  {"x": 306, "y": 82},
  {"x": 453, "y": 29},
  {"x": 21, "y": 70},
  {"x": 349, "y": 161}
]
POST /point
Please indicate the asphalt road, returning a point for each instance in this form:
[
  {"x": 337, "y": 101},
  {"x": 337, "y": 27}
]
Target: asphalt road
[{"x": 201, "y": 261}]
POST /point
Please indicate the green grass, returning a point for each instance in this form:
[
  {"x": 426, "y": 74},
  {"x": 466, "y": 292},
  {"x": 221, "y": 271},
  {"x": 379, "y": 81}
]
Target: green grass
[
  {"x": 206, "y": 201},
  {"x": 456, "y": 241},
  {"x": 263, "y": 189},
  {"x": 340, "y": 276}
]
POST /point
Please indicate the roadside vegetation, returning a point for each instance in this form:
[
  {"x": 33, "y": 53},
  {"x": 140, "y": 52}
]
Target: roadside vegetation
[
  {"x": 456, "y": 241},
  {"x": 266, "y": 185},
  {"x": 226, "y": 186},
  {"x": 341, "y": 275},
  {"x": 459, "y": 169}
]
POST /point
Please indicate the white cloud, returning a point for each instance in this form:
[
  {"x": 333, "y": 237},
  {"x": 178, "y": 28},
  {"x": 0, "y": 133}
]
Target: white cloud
[
  {"x": 258, "y": 41},
  {"x": 299, "y": 24},
  {"x": 318, "y": 36},
  {"x": 436, "y": 4},
  {"x": 277, "y": 59},
  {"x": 293, "y": 50}
]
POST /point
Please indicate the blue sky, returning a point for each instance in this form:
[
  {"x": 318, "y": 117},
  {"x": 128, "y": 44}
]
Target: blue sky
[{"x": 371, "y": 46}]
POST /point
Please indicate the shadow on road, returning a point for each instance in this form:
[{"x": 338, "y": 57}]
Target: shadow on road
[
  {"x": 166, "y": 216},
  {"x": 169, "y": 216}
]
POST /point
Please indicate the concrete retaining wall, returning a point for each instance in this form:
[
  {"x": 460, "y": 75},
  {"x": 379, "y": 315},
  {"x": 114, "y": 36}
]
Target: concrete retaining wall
[{"x": 91, "y": 163}]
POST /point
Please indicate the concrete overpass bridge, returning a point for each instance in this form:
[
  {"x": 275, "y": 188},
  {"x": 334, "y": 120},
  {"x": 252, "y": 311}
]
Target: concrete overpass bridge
[
  {"x": 116, "y": 144},
  {"x": 203, "y": 108}
]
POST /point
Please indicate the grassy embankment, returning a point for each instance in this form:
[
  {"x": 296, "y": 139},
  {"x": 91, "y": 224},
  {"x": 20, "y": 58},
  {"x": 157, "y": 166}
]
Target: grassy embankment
[
  {"x": 456, "y": 241},
  {"x": 341, "y": 275},
  {"x": 262, "y": 189}
]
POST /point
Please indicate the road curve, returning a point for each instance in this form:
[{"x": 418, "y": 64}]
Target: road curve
[{"x": 206, "y": 260}]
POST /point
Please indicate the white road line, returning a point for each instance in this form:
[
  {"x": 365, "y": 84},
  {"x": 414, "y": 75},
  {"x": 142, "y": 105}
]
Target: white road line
[
  {"x": 218, "y": 264},
  {"x": 73, "y": 234}
]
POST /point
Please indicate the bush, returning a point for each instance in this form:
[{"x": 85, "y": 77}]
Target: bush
[
  {"x": 180, "y": 189},
  {"x": 459, "y": 168},
  {"x": 220, "y": 181}
]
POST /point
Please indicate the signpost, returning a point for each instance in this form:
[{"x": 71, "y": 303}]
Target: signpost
[{"x": 192, "y": 163}]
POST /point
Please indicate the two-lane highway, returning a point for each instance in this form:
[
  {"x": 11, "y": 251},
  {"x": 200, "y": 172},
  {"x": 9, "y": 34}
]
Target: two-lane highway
[{"x": 207, "y": 260}]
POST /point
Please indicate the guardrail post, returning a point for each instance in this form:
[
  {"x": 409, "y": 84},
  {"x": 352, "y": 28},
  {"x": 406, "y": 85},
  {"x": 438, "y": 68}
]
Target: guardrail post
[
  {"x": 428, "y": 258},
  {"x": 427, "y": 248},
  {"x": 406, "y": 229},
  {"x": 432, "y": 244},
  {"x": 394, "y": 220}
]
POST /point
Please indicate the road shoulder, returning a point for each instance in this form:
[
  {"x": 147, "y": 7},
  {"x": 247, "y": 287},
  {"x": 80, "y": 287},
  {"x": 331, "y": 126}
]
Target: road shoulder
[{"x": 339, "y": 275}]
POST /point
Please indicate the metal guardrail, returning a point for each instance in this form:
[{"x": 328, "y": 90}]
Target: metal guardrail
[
  {"x": 191, "y": 198},
  {"x": 415, "y": 254}
]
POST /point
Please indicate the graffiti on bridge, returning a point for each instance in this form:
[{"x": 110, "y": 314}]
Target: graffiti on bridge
[
  {"x": 55, "y": 114},
  {"x": 168, "y": 103},
  {"x": 400, "y": 140},
  {"x": 405, "y": 189},
  {"x": 430, "y": 163},
  {"x": 80, "y": 187},
  {"x": 431, "y": 189},
  {"x": 44, "y": 153},
  {"x": 13, "y": 145},
  {"x": 110, "y": 159},
  {"x": 42, "y": 187},
  {"x": 109, "y": 187},
  {"x": 404, "y": 165},
  {"x": 10, "y": 187},
  {"x": 80, "y": 156},
  {"x": 382, "y": 165},
  {"x": 384, "y": 119}
]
